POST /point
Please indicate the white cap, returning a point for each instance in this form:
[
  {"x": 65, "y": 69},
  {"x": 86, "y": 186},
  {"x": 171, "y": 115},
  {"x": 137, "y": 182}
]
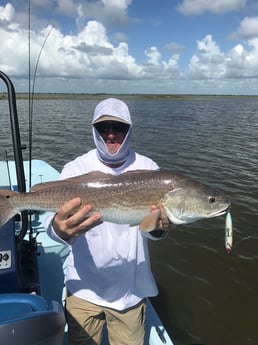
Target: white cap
[{"x": 112, "y": 109}]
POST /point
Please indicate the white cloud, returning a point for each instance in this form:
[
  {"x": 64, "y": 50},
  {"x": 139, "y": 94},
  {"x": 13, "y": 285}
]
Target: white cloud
[
  {"x": 248, "y": 28},
  {"x": 196, "y": 7},
  {"x": 116, "y": 7},
  {"x": 108, "y": 12},
  {"x": 153, "y": 56},
  {"x": 6, "y": 13},
  {"x": 172, "y": 68},
  {"x": 90, "y": 61},
  {"x": 241, "y": 62},
  {"x": 116, "y": 66},
  {"x": 208, "y": 62},
  {"x": 89, "y": 54}
]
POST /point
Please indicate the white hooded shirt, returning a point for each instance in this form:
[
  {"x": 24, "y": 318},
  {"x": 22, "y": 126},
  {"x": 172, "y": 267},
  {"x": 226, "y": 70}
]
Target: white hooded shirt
[{"x": 109, "y": 265}]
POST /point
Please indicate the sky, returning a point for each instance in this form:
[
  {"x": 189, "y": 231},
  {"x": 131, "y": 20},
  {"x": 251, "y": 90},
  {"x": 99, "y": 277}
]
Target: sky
[{"x": 131, "y": 46}]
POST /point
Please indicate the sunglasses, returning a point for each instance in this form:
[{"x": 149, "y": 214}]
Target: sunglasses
[{"x": 114, "y": 127}]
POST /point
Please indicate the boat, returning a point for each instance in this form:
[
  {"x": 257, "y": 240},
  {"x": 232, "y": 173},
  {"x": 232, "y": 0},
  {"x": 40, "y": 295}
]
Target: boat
[{"x": 32, "y": 265}]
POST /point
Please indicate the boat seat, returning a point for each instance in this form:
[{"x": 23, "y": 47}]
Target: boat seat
[{"x": 28, "y": 319}]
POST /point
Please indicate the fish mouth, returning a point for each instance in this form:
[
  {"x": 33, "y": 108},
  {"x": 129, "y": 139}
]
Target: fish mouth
[{"x": 219, "y": 213}]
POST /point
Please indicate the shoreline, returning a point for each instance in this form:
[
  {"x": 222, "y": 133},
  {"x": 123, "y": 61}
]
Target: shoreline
[{"x": 99, "y": 96}]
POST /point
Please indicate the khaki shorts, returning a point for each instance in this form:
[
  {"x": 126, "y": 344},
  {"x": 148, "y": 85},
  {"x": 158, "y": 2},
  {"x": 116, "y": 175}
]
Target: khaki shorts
[{"x": 86, "y": 320}]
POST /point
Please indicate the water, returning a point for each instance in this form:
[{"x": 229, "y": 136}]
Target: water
[{"x": 206, "y": 295}]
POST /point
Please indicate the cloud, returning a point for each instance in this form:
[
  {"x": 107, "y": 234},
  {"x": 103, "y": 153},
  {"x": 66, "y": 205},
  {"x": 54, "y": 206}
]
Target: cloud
[
  {"x": 116, "y": 10},
  {"x": 120, "y": 37},
  {"x": 248, "y": 29},
  {"x": 210, "y": 63},
  {"x": 153, "y": 56},
  {"x": 66, "y": 7},
  {"x": 197, "y": 7},
  {"x": 174, "y": 48},
  {"x": 108, "y": 12},
  {"x": 118, "y": 66},
  {"x": 88, "y": 54},
  {"x": 90, "y": 60},
  {"x": 94, "y": 49},
  {"x": 6, "y": 13},
  {"x": 242, "y": 63}
]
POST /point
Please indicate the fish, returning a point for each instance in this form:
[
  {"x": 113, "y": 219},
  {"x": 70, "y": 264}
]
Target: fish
[
  {"x": 124, "y": 198},
  {"x": 228, "y": 233}
]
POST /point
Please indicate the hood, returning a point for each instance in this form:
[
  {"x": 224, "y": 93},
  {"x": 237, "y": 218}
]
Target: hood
[{"x": 112, "y": 109}]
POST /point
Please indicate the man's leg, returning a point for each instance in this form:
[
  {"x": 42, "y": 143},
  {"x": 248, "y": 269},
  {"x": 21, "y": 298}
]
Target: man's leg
[
  {"x": 126, "y": 327},
  {"x": 85, "y": 321}
]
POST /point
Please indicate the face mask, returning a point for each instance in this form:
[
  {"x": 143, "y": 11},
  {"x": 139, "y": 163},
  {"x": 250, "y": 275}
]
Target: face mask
[
  {"x": 112, "y": 107},
  {"x": 104, "y": 155}
]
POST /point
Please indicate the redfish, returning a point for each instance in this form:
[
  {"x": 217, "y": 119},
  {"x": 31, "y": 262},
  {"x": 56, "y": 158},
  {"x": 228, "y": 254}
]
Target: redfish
[{"x": 123, "y": 199}]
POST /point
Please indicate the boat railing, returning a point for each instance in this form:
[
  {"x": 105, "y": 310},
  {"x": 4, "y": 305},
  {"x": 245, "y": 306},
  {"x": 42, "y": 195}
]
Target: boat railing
[{"x": 17, "y": 147}]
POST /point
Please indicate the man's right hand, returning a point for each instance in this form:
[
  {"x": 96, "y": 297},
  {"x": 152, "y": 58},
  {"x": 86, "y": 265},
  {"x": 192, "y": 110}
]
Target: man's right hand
[{"x": 71, "y": 220}]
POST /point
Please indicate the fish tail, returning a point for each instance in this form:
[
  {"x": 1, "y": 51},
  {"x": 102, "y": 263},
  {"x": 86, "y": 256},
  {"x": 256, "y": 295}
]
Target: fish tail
[{"x": 7, "y": 211}]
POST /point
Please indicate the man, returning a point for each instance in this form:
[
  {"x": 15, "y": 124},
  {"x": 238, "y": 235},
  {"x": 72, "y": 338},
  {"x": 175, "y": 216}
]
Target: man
[{"x": 108, "y": 271}]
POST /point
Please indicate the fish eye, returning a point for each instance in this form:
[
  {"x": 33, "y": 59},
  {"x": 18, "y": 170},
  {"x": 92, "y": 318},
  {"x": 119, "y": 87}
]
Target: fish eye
[{"x": 212, "y": 199}]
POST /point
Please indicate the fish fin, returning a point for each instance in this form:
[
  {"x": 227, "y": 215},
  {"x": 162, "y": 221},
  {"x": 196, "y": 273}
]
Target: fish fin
[
  {"x": 6, "y": 209},
  {"x": 45, "y": 185},
  {"x": 91, "y": 176},
  {"x": 149, "y": 222},
  {"x": 135, "y": 172}
]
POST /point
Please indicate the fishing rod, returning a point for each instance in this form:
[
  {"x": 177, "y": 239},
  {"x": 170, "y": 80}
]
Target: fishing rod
[
  {"x": 8, "y": 169},
  {"x": 31, "y": 91},
  {"x": 17, "y": 147}
]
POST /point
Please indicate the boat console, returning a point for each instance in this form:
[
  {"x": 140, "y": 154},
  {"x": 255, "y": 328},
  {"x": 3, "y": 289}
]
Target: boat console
[{"x": 26, "y": 317}]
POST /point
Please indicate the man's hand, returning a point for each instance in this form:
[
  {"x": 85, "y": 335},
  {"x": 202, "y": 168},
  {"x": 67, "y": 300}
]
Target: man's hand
[
  {"x": 163, "y": 221},
  {"x": 71, "y": 221}
]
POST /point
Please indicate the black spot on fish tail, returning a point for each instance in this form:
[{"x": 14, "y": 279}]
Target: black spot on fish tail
[{"x": 6, "y": 209}]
